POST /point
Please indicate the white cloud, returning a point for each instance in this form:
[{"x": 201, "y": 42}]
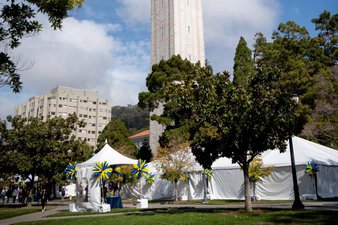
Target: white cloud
[
  {"x": 134, "y": 12},
  {"x": 226, "y": 21},
  {"x": 83, "y": 55}
]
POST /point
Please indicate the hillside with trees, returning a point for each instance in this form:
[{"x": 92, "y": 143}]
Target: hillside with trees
[{"x": 132, "y": 116}]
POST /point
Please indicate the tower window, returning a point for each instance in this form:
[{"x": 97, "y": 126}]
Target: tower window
[{"x": 189, "y": 29}]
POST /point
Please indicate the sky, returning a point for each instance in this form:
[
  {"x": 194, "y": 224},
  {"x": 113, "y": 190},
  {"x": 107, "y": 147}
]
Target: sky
[{"x": 105, "y": 44}]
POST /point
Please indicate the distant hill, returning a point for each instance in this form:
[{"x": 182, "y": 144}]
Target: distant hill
[{"x": 134, "y": 117}]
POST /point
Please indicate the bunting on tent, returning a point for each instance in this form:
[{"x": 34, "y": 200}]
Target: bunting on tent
[
  {"x": 102, "y": 171},
  {"x": 150, "y": 178},
  {"x": 311, "y": 168},
  {"x": 140, "y": 169},
  {"x": 208, "y": 173},
  {"x": 71, "y": 171}
]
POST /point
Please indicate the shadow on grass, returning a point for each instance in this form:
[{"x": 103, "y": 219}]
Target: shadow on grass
[
  {"x": 311, "y": 217},
  {"x": 275, "y": 216}
]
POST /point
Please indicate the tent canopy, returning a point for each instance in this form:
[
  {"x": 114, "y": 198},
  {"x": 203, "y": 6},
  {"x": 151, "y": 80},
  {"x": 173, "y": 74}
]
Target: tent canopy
[
  {"x": 110, "y": 155},
  {"x": 304, "y": 151}
]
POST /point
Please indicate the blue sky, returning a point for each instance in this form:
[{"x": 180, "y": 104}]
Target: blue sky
[{"x": 104, "y": 45}]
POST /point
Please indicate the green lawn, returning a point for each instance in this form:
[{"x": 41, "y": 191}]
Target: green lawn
[
  {"x": 230, "y": 202},
  {"x": 205, "y": 217},
  {"x": 7, "y": 212},
  {"x": 67, "y": 213}
]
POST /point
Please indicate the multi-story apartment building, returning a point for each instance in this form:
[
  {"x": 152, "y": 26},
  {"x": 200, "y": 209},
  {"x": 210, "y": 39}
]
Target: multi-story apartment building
[{"x": 62, "y": 101}]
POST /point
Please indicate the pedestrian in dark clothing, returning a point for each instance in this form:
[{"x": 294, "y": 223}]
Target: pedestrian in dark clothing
[
  {"x": 9, "y": 194},
  {"x": 44, "y": 197},
  {"x": 63, "y": 193},
  {"x": 3, "y": 194}
]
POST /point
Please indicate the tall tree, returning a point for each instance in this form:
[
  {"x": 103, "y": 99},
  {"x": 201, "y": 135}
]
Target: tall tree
[
  {"x": 243, "y": 63},
  {"x": 18, "y": 18},
  {"x": 327, "y": 26},
  {"x": 115, "y": 132},
  {"x": 223, "y": 119},
  {"x": 144, "y": 153},
  {"x": 306, "y": 64},
  {"x": 36, "y": 148}
]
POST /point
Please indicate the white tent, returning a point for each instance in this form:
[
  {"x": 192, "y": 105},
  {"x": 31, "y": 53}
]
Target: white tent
[
  {"x": 227, "y": 180},
  {"x": 110, "y": 155},
  {"x": 88, "y": 188}
]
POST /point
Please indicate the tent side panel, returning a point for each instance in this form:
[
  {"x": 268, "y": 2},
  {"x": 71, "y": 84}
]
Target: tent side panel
[
  {"x": 328, "y": 181},
  {"x": 276, "y": 186},
  {"x": 227, "y": 184}
]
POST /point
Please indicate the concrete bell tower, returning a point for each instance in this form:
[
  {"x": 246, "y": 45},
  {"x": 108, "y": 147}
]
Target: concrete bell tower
[{"x": 176, "y": 29}]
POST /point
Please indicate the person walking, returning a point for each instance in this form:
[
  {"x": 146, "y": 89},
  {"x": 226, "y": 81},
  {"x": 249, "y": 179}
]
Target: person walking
[
  {"x": 15, "y": 195},
  {"x": 3, "y": 194},
  {"x": 44, "y": 197},
  {"x": 9, "y": 193},
  {"x": 63, "y": 193}
]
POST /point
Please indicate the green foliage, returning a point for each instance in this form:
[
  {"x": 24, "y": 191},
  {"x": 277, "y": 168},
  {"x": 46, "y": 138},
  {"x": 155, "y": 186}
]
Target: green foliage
[
  {"x": 18, "y": 19},
  {"x": 323, "y": 124},
  {"x": 174, "y": 161},
  {"x": 37, "y": 148},
  {"x": 132, "y": 116},
  {"x": 164, "y": 73},
  {"x": 116, "y": 134},
  {"x": 257, "y": 171},
  {"x": 307, "y": 67},
  {"x": 244, "y": 65},
  {"x": 328, "y": 27},
  {"x": 226, "y": 119},
  {"x": 144, "y": 153}
]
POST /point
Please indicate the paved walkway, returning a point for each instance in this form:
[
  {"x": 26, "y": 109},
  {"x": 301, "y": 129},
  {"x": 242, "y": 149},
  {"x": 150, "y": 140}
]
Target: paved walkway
[{"x": 38, "y": 216}]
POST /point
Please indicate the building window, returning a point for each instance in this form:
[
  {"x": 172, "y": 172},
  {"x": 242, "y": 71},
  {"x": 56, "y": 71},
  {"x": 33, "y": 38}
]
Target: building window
[{"x": 189, "y": 29}]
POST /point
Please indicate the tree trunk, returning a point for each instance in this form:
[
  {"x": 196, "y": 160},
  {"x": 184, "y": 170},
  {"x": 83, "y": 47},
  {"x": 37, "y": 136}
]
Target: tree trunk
[
  {"x": 248, "y": 204},
  {"x": 176, "y": 192}
]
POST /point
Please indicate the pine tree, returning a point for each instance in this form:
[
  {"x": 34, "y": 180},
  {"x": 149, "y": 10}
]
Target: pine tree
[
  {"x": 244, "y": 64},
  {"x": 145, "y": 152}
]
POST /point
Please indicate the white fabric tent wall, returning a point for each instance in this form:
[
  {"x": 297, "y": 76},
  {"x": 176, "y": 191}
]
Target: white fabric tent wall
[{"x": 227, "y": 179}]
